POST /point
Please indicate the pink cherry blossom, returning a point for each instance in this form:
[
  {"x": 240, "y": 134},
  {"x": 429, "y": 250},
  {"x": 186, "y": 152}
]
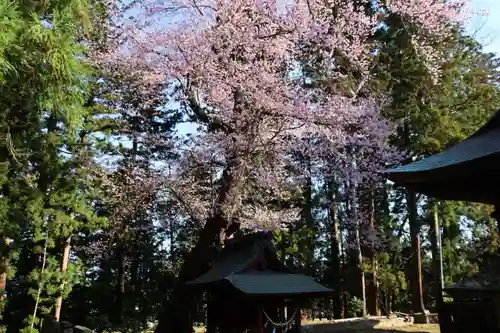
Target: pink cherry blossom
[{"x": 235, "y": 67}]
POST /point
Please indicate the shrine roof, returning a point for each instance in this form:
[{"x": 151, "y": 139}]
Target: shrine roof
[
  {"x": 486, "y": 280},
  {"x": 266, "y": 283},
  {"x": 234, "y": 266},
  {"x": 237, "y": 255},
  {"x": 466, "y": 171},
  {"x": 473, "y": 148}
]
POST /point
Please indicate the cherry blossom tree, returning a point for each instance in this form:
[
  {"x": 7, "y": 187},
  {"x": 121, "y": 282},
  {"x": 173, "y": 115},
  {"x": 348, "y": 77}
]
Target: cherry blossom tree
[{"x": 234, "y": 69}]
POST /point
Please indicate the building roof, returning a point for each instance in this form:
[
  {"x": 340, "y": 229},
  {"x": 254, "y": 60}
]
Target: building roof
[
  {"x": 266, "y": 283},
  {"x": 466, "y": 171},
  {"x": 237, "y": 254},
  {"x": 237, "y": 257},
  {"x": 486, "y": 280}
]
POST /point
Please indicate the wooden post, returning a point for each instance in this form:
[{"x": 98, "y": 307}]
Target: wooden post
[
  {"x": 298, "y": 318},
  {"x": 260, "y": 322},
  {"x": 281, "y": 318},
  {"x": 211, "y": 312}
]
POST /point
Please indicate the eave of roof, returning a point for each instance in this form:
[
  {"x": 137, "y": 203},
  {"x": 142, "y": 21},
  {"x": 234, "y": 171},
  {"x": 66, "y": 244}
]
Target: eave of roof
[
  {"x": 467, "y": 171},
  {"x": 268, "y": 283}
]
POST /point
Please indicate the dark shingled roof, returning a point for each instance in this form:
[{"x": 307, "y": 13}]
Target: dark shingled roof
[
  {"x": 273, "y": 283},
  {"x": 466, "y": 171},
  {"x": 241, "y": 252},
  {"x": 236, "y": 255}
]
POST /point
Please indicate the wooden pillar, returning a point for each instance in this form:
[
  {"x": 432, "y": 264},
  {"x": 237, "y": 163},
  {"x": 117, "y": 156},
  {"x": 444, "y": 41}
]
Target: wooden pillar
[
  {"x": 298, "y": 319},
  {"x": 211, "y": 317},
  {"x": 281, "y": 318},
  {"x": 259, "y": 328}
]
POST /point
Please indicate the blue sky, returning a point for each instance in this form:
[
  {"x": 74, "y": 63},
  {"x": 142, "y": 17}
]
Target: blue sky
[{"x": 487, "y": 29}]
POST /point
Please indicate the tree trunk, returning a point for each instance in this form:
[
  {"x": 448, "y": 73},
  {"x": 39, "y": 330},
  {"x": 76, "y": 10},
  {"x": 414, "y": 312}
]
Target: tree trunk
[
  {"x": 343, "y": 275},
  {"x": 361, "y": 270},
  {"x": 416, "y": 256},
  {"x": 64, "y": 267},
  {"x": 308, "y": 243},
  {"x": 338, "y": 301},
  {"x": 373, "y": 290},
  {"x": 357, "y": 242},
  {"x": 3, "y": 277},
  {"x": 4, "y": 261},
  {"x": 437, "y": 271},
  {"x": 117, "y": 311},
  {"x": 175, "y": 315}
]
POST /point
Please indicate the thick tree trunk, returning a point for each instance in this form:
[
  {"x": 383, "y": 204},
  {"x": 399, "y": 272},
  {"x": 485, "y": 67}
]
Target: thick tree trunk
[
  {"x": 64, "y": 267},
  {"x": 175, "y": 315},
  {"x": 416, "y": 256}
]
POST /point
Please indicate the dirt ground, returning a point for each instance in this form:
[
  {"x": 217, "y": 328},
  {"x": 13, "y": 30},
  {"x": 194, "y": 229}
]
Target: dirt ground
[{"x": 411, "y": 328}]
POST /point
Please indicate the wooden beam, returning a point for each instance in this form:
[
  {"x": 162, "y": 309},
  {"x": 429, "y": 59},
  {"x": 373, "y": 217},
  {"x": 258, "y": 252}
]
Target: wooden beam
[
  {"x": 260, "y": 322},
  {"x": 298, "y": 319}
]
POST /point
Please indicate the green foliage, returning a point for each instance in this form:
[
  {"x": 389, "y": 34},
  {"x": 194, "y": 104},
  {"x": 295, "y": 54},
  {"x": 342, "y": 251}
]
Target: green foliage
[{"x": 354, "y": 306}]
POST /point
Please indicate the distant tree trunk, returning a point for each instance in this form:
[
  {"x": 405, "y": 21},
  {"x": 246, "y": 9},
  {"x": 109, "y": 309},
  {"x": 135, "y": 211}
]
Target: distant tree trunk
[
  {"x": 338, "y": 298},
  {"x": 361, "y": 270},
  {"x": 342, "y": 258},
  {"x": 4, "y": 252},
  {"x": 437, "y": 271},
  {"x": 64, "y": 267},
  {"x": 373, "y": 289},
  {"x": 117, "y": 310},
  {"x": 135, "y": 282},
  {"x": 3, "y": 277},
  {"x": 416, "y": 256},
  {"x": 308, "y": 222}
]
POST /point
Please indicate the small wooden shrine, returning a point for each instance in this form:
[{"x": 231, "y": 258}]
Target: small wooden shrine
[
  {"x": 249, "y": 288},
  {"x": 468, "y": 171}
]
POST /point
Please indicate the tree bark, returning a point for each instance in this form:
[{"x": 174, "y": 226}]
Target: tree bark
[
  {"x": 308, "y": 221},
  {"x": 338, "y": 297},
  {"x": 373, "y": 290},
  {"x": 416, "y": 256},
  {"x": 175, "y": 315},
  {"x": 436, "y": 256},
  {"x": 64, "y": 268},
  {"x": 117, "y": 311},
  {"x": 4, "y": 262},
  {"x": 361, "y": 270}
]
